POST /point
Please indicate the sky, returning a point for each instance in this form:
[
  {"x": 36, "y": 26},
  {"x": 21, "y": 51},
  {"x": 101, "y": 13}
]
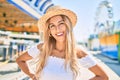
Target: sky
[{"x": 85, "y": 10}]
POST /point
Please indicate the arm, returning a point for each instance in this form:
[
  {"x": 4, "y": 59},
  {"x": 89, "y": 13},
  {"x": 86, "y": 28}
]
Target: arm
[
  {"x": 99, "y": 73},
  {"x": 89, "y": 63},
  {"x": 27, "y": 55},
  {"x": 21, "y": 61}
]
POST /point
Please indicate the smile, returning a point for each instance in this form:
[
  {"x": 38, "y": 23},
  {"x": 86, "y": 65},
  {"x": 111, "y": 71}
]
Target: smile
[{"x": 59, "y": 34}]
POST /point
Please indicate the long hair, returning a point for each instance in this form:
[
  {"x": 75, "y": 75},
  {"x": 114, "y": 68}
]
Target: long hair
[{"x": 49, "y": 45}]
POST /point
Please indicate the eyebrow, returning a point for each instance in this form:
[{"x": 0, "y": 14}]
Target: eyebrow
[{"x": 58, "y": 22}]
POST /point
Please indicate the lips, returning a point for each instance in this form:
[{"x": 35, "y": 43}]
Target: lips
[{"x": 60, "y": 34}]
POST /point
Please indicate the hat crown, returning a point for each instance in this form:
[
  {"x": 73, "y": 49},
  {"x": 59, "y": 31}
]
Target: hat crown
[
  {"x": 56, "y": 10},
  {"x": 52, "y": 8}
]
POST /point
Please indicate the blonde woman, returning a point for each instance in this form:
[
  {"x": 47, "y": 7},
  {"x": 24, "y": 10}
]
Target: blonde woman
[{"x": 59, "y": 58}]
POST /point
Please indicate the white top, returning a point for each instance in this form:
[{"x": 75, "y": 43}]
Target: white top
[{"x": 54, "y": 70}]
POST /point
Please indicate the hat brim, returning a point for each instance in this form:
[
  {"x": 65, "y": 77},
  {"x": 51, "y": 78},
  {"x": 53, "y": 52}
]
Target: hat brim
[{"x": 71, "y": 15}]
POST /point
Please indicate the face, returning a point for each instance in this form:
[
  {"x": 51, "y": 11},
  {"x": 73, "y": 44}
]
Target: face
[{"x": 57, "y": 28}]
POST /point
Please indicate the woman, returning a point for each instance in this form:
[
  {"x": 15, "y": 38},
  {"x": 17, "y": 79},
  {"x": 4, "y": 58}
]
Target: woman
[{"x": 58, "y": 55}]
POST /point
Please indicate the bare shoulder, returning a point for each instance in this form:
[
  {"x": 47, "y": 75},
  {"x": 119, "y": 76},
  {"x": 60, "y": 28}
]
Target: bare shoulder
[
  {"x": 81, "y": 51},
  {"x": 39, "y": 46}
]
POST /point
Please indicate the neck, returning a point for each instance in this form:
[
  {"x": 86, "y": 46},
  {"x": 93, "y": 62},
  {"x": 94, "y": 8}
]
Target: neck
[{"x": 60, "y": 46}]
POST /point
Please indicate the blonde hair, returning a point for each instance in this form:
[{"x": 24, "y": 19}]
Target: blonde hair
[{"x": 49, "y": 45}]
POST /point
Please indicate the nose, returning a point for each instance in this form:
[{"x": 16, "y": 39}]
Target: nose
[{"x": 58, "y": 28}]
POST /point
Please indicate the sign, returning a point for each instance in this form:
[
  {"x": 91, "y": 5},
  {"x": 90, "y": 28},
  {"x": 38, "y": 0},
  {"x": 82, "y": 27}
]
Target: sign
[{"x": 34, "y": 8}]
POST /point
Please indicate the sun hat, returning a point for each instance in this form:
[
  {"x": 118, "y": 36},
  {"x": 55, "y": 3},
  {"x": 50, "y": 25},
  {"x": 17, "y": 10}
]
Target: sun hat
[{"x": 56, "y": 10}]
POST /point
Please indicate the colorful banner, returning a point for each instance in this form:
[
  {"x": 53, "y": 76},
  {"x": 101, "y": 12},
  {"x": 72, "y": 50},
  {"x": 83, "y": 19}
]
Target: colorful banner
[{"x": 34, "y": 8}]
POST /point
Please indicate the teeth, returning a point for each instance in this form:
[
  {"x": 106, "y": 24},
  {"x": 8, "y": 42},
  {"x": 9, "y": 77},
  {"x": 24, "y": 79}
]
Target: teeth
[{"x": 59, "y": 34}]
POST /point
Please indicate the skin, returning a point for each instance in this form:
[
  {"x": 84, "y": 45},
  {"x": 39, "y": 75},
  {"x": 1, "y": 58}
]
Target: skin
[{"x": 58, "y": 30}]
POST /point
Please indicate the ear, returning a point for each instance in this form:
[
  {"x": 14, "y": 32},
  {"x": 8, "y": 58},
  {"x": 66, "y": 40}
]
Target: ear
[{"x": 49, "y": 33}]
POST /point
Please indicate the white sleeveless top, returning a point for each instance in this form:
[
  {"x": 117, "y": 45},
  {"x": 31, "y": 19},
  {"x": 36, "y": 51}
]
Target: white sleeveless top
[{"x": 54, "y": 70}]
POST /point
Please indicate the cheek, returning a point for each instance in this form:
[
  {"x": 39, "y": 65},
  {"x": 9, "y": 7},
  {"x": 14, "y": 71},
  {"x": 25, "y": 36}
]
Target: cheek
[
  {"x": 52, "y": 33},
  {"x": 65, "y": 29}
]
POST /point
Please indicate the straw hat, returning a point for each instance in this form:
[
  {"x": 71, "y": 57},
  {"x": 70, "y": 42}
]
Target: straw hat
[{"x": 56, "y": 10}]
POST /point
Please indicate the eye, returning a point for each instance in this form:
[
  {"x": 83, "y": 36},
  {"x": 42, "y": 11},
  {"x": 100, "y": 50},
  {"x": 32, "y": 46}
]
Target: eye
[{"x": 51, "y": 26}]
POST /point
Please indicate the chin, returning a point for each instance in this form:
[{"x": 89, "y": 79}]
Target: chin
[{"x": 60, "y": 40}]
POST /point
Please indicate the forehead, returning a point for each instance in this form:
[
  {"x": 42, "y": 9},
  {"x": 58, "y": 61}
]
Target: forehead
[{"x": 55, "y": 18}]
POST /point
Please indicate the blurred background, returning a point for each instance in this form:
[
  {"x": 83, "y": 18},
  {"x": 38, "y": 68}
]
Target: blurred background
[{"x": 98, "y": 30}]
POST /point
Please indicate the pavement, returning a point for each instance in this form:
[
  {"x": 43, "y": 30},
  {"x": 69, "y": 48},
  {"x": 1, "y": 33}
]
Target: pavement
[
  {"x": 110, "y": 72},
  {"x": 113, "y": 64},
  {"x": 10, "y": 70}
]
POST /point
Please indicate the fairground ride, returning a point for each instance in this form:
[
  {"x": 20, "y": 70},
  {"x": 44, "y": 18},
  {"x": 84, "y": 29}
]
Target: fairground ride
[{"x": 104, "y": 23}]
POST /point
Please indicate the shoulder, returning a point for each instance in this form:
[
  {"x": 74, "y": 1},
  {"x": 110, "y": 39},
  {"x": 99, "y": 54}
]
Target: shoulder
[
  {"x": 36, "y": 47},
  {"x": 81, "y": 51},
  {"x": 39, "y": 46},
  {"x": 35, "y": 50}
]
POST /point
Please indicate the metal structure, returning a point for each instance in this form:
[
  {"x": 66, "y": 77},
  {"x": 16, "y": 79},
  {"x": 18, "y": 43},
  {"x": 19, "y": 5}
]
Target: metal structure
[
  {"x": 104, "y": 27},
  {"x": 104, "y": 22}
]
